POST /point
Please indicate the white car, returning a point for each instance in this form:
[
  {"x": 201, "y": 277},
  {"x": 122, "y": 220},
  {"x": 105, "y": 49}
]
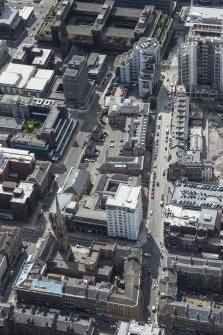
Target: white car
[
  {"x": 151, "y": 212},
  {"x": 154, "y": 309}
]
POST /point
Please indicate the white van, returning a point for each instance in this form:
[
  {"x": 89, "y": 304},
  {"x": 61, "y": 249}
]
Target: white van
[{"x": 154, "y": 309}]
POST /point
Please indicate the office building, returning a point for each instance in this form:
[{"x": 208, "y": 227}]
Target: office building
[
  {"x": 28, "y": 15},
  {"x": 25, "y": 80},
  {"x": 205, "y": 20},
  {"x": 140, "y": 66},
  {"x": 103, "y": 26},
  {"x": 56, "y": 127},
  {"x": 132, "y": 166},
  {"x": 77, "y": 88},
  {"x": 11, "y": 125},
  {"x": 18, "y": 202},
  {"x": 118, "y": 112},
  {"x": 124, "y": 212},
  {"x": 11, "y": 24},
  {"x": 97, "y": 66},
  {"x": 23, "y": 201},
  {"x": 15, "y": 106},
  {"x": 90, "y": 216},
  {"x": 28, "y": 54}
]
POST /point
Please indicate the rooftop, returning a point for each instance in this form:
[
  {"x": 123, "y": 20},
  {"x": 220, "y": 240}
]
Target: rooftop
[
  {"x": 22, "y": 192},
  {"x": 90, "y": 210},
  {"x": 197, "y": 218},
  {"x": 8, "y": 16},
  {"x": 11, "y": 123},
  {"x": 126, "y": 196},
  {"x": 204, "y": 14},
  {"x": 25, "y": 12},
  {"x": 76, "y": 181}
]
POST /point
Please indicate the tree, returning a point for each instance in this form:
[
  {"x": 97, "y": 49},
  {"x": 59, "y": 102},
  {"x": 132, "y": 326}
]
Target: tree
[{"x": 152, "y": 101}]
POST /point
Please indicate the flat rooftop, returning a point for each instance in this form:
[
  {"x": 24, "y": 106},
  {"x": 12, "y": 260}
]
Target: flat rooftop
[
  {"x": 93, "y": 8},
  {"x": 16, "y": 154},
  {"x": 11, "y": 123},
  {"x": 17, "y": 75},
  {"x": 179, "y": 216},
  {"x": 26, "y": 11},
  {"x": 8, "y": 16},
  {"x": 126, "y": 196},
  {"x": 89, "y": 209},
  {"x": 205, "y": 13}
]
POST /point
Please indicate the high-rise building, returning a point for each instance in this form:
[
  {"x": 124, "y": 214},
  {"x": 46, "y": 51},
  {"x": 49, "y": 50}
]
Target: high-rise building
[
  {"x": 77, "y": 87},
  {"x": 140, "y": 65},
  {"x": 200, "y": 63},
  {"x": 125, "y": 212}
]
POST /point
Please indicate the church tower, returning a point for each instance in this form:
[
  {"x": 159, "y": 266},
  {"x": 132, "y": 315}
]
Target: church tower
[{"x": 60, "y": 230}]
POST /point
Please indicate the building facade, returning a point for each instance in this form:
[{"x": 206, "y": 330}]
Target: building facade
[
  {"x": 77, "y": 87},
  {"x": 141, "y": 66},
  {"x": 200, "y": 64},
  {"x": 125, "y": 212}
]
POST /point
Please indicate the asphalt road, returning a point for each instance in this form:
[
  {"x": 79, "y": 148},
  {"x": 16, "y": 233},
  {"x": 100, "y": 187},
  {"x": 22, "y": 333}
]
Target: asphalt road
[{"x": 155, "y": 211}]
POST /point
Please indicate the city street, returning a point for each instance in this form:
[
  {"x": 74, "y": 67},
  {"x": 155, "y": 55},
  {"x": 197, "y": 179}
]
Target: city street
[{"x": 159, "y": 163}]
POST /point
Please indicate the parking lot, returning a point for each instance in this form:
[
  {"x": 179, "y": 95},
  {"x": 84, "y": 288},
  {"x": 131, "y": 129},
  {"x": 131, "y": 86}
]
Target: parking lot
[
  {"x": 197, "y": 195},
  {"x": 109, "y": 145}
]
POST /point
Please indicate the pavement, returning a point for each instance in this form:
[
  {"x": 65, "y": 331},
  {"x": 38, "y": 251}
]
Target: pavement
[{"x": 155, "y": 246}]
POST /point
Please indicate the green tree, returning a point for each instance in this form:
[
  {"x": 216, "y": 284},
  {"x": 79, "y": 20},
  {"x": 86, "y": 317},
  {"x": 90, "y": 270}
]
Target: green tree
[{"x": 152, "y": 101}]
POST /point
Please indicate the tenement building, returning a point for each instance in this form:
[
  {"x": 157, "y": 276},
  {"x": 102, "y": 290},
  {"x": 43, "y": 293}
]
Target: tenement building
[
  {"x": 189, "y": 295},
  {"x": 26, "y": 320},
  {"x": 103, "y": 280}
]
